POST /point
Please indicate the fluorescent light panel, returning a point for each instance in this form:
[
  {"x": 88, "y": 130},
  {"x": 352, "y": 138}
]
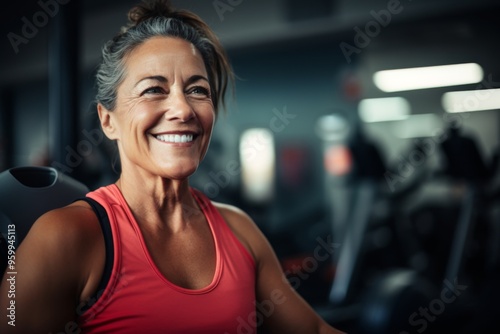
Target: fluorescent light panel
[
  {"x": 471, "y": 100},
  {"x": 383, "y": 109},
  {"x": 428, "y": 77}
]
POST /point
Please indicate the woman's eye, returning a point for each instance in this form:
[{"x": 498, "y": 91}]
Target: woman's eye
[
  {"x": 199, "y": 90},
  {"x": 153, "y": 90}
]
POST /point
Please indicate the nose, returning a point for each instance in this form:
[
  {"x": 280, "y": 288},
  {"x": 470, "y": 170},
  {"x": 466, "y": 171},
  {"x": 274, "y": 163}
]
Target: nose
[{"x": 180, "y": 108}]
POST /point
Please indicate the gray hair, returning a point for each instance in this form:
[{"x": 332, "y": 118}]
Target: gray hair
[{"x": 111, "y": 71}]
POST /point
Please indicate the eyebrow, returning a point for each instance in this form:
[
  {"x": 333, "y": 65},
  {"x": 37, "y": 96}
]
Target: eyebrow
[
  {"x": 159, "y": 78},
  {"x": 195, "y": 78},
  {"x": 162, "y": 79}
]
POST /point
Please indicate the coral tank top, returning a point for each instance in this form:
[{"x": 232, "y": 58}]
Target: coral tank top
[{"x": 139, "y": 299}]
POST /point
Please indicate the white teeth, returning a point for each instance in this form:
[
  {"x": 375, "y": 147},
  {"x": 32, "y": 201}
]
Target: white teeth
[{"x": 175, "y": 138}]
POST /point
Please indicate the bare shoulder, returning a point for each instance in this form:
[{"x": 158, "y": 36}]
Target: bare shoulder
[
  {"x": 243, "y": 227},
  {"x": 238, "y": 220},
  {"x": 70, "y": 242},
  {"x": 72, "y": 224},
  {"x": 59, "y": 264},
  {"x": 64, "y": 237},
  {"x": 233, "y": 213}
]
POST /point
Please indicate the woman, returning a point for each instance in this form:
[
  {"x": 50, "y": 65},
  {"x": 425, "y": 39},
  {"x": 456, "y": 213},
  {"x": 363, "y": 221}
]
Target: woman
[{"x": 149, "y": 254}]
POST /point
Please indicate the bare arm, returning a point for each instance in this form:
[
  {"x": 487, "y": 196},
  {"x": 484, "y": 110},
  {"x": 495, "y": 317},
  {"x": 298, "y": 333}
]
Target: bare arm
[
  {"x": 53, "y": 272},
  {"x": 283, "y": 309}
]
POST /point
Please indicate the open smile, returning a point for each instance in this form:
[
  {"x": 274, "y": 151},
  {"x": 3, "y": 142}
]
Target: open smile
[{"x": 175, "y": 138}]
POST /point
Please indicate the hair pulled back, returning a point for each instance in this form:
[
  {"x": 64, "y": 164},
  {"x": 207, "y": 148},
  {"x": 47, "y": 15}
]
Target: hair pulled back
[{"x": 152, "y": 18}]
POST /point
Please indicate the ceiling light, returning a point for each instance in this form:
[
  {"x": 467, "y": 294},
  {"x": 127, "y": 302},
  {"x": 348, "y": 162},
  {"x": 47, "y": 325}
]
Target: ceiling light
[
  {"x": 428, "y": 77},
  {"x": 471, "y": 100}
]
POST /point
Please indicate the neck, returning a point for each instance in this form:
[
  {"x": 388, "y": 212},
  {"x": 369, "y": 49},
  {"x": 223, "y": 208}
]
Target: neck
[{"x": 158, "y": 203}]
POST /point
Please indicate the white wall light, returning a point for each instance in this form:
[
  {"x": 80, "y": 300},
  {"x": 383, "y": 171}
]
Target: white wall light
[
  {"x": 471, "y": 100},
  {"x": 258, "y": 160},
  {"x": 383, "y": 109},
  {"x": 428, "y": 77}
]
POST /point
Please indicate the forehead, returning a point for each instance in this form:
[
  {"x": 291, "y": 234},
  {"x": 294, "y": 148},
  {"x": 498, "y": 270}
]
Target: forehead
[{"x": 159, "y": 54}]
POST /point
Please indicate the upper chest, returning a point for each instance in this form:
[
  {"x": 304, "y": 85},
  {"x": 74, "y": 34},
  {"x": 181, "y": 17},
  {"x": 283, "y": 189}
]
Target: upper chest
[{"x": 186, "y": 258}]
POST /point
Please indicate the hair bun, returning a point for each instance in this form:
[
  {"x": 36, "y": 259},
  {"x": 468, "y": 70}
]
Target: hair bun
[{"x": 148, "y": 9}]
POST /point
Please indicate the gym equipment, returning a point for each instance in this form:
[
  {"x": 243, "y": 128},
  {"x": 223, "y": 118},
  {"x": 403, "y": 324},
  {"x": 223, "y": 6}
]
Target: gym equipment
[
  {"x": 387, "y": 296},
  {"x": 391, "y": 300},
  {"x": 25, "y": 194}
]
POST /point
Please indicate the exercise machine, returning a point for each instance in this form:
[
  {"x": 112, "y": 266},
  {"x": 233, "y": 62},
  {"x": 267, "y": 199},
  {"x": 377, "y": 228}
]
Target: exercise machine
[{"x": 25, "y": 194}]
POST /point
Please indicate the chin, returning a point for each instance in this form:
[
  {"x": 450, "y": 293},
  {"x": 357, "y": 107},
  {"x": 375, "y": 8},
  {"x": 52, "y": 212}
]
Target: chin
[{"x": 178, "y": 173}]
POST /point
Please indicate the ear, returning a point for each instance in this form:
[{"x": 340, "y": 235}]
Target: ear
[{"x": 106, "y": 118}]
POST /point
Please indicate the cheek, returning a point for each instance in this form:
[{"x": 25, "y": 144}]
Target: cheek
[
  {"x": 207, "y": 121},
  {"x": 137, "y": 121},
  {"x": 208, "y": 125},
  {"x": 207, "y": 117}
]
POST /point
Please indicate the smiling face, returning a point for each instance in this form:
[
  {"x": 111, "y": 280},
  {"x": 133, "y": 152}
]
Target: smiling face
[{"x": 164, "y": 114}]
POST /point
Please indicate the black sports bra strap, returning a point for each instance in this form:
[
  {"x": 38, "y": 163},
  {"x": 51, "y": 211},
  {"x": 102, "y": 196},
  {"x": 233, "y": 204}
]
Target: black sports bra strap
[{"x": 103, "y": 218}]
